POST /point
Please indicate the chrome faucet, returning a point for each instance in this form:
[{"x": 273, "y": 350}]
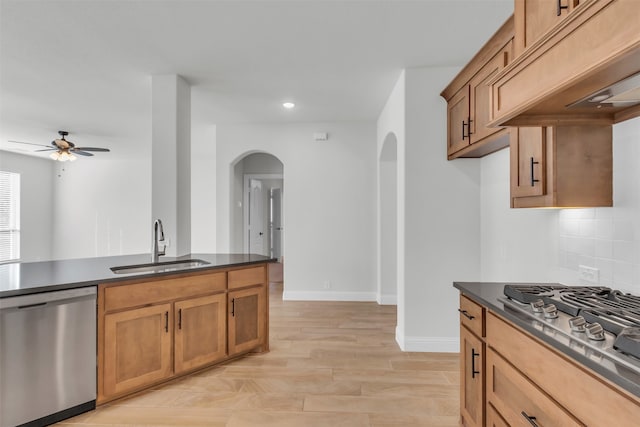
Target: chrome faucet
[{"x": 155, "y": 251}]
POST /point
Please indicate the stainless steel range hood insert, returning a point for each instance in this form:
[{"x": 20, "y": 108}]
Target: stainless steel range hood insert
[{"x": 625, "y": 93}]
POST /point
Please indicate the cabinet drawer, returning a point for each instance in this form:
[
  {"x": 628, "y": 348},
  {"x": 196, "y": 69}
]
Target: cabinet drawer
[
  {"x": 247, "y": 277},
  {"x": 156, "y": 291},
  {"x": 573, "y": 386},
  {"x": 516, "y": 398},
  {"x": 472, "y": 316}
]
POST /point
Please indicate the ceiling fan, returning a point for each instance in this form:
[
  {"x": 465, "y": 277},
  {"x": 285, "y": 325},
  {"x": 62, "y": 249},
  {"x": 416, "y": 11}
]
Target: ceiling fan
[{"x": 63, "y": 150}]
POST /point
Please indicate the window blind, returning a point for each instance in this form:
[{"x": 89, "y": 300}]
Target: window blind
[{"x": 9, "y": 216}]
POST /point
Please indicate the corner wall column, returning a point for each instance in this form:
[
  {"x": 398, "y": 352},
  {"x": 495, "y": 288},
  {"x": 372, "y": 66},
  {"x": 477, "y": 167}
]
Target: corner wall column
[{"x": 171, "y": 160}]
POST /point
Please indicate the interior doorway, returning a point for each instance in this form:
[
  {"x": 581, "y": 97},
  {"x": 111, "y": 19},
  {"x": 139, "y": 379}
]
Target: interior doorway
[{"x": 263, "y": 226}]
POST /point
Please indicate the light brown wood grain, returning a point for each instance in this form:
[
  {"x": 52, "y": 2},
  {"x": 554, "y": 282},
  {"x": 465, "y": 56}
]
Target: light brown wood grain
[
  {"x": 247, "y": 308},
  {"x": 472, "y": 379},
  {"x": 247, "y": 277},
  {"x": 472, "y": 316}
]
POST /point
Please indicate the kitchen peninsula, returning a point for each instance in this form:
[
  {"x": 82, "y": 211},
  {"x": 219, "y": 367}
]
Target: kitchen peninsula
[{"x": 139, "y": 323}]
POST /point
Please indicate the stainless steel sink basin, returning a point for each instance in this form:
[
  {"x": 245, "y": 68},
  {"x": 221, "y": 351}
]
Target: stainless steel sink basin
[{"x": 159, "y": 267}]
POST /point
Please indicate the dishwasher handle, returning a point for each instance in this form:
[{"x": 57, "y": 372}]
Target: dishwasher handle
[{"x": 42, "y": 298}]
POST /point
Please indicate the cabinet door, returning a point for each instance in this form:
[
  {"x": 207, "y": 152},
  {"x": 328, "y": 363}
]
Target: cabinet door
[
  {"x": 528, "y": 161},
  {"x": 247, "y": 322},
  {"x": 200, "y": 331},
  {"x": 137, "y": 348},
  {"x": 519, "y": 401},
  {"x": 480, "y": 95},
  {"x": 472, "y": 379},
  {"x": 494, "y": 419},
  {"x": 458, "y": 121},
  {"x": 534, "y": 18}
]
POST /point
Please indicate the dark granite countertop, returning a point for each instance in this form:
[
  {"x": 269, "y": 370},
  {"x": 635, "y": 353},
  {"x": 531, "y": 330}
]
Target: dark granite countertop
[
  {"x": 23, "y": 278},
  {"x": 487, "y": 294}
]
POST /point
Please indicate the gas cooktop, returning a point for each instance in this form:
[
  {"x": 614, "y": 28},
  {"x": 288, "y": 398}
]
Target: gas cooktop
[{"x": 603, "y": 321}]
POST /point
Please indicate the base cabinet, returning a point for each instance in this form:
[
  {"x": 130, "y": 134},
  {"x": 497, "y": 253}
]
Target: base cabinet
[
  {"x": 137, "y": 348},
  {"x": 200, "y": 337},
  {"x": 150, "y": 331},
  {"x": 510, "y": 378},
  {"x": 472, "y": 377},
  {"x": 246, "y": 329}
]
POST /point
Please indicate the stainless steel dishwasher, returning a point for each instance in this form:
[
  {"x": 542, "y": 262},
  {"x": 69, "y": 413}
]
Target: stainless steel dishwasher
[{"x": 47, "y": 356}]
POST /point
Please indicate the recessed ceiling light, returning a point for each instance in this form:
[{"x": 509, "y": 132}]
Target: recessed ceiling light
[{"x": 288, "y": 105}]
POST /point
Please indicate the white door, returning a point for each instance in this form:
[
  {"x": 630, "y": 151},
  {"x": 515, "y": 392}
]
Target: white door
[
  {"x": 256, "y": 217},
  {"x": 275, "y": 222}
]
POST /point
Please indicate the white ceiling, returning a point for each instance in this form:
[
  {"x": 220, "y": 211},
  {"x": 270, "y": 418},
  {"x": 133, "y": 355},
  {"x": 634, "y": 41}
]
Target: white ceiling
[{"x": 85, "y": 66}]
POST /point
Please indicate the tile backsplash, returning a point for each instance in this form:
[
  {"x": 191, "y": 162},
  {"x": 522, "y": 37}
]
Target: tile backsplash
[{"x": 608, "y": 238}]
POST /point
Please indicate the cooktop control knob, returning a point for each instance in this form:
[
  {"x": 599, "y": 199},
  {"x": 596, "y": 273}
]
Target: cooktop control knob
[
  {"x": 550, "y": 311},
  {"x": 595, "y": 332},
  {"x": 578, "y": 324},
  {"x": 537, "y": 305}
]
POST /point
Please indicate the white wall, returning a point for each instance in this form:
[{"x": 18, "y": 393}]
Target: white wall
[
  {"x": 329, "y": 206},
  {"x": 102, "y": 207},
  {"x": 36, "y": 199},
  {"x": 550, "y": 245},
  {"x": 203, "y": 188},
  {"x": 441, "y": 217},
  {"x": 516, "y": 244}
]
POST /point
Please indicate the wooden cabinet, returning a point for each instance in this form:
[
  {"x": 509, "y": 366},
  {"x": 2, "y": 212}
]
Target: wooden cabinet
[
  {"x": 525, "y": 375},
  {"x": 152, "y": 330},
  {"x": 534, "y": 18},
  {"x": 472, "y": 379},
  {"x": 200, "y": 326},
  {"x": 517, "y": 400},
  {"x": 526, "y": 382},
  {"x": 137, "y": 348},
  {"x": 561, "y": 166},
  {"x": 246, "y": 311},
  {"x": 562, "y": 61},
  {"x": 468, "y": 100},
  {"x": 472, "y": 364}
]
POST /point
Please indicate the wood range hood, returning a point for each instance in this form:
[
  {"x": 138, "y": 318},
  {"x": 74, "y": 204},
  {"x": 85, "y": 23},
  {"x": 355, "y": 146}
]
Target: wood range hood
[{"x": 577, "y": 73}]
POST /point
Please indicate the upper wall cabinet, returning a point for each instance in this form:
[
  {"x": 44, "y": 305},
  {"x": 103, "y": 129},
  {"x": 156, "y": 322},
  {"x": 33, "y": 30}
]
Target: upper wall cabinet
[
  {"x": 534, "y": 18},
  {"x": 468, "y": 99},
  {"x": 568, "y": 67},
  {"x": 561, "y": 166}
]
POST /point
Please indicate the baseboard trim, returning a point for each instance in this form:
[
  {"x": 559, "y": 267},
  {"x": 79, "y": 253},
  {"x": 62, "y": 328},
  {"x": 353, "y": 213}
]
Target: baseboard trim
[
  {"x": 328, "y": 296},
  {"x": 428, "y": 344},
  {"x": 388, "y": 299}
]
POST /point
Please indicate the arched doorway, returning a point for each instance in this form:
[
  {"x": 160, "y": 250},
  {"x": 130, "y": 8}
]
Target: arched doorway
[
  {"x": 257, "y": 201},
  {"x": 388, "y": 223}
]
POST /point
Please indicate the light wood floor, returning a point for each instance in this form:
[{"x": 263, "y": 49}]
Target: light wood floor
[{"x": 331, "y": 364}]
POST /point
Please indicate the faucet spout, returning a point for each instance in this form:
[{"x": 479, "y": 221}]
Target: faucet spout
[{"x": 156, "y": 252}]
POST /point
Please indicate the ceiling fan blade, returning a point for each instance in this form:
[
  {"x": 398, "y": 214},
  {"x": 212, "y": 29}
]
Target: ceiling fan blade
[
  {"x": 103, "y": 150},
  {"x": 28, "y": 143},
  {"x": 82, "y": 153},
  {"x": 48, "y": 149}
]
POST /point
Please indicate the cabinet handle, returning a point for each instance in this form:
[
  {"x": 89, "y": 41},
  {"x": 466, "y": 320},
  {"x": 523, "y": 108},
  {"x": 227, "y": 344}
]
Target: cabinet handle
[
  {"x": 560, "y": 7},
  {"x": 469, "y": 128},
  {"x": 233, "y": 307},
  {"x": 533, "y": 180},
  {"x": 473, "y": 363},
  {"x": 466, "y": 314},
  {"x": 180, "y": 319},
  {"x": 532, "y": 420},
  {"x": 463, "y": 134},
  {"x": 166, "y": 321}
]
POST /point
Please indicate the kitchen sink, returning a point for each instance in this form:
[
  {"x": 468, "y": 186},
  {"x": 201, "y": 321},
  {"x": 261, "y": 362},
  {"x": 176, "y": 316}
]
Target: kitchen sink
[{"x": 159, "y": 267}]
